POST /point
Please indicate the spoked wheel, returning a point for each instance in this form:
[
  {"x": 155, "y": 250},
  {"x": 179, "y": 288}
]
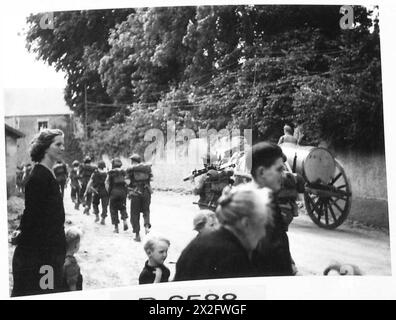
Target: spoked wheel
[{"x": 329, "y": 206}]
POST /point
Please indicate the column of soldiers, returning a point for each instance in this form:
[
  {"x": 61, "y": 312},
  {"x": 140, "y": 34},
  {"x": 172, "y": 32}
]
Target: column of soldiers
[
  {"x": 61, "y": 174},
  {"x": 60, "y": 171},
  {"x": 94, "y": 184}
]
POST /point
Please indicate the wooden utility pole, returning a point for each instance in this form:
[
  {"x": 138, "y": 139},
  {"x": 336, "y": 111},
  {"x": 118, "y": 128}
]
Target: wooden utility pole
[
  {"x": 254, "y": 90},
  {"x": 86, "y": 113}
]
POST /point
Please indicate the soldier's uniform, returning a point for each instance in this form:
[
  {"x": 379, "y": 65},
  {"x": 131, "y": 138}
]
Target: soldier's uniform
[
  {"x": 60, "y": 171},
  {"x": 210, "y": 188},
  {"x": 139, "y": 176},
  {"x": 75, "y": 184},
  {"x": 26, "y": 174},
  {"x": 19, "y": 176},
  {"x": 286, "y": 198},
  {"x": 272, "y": 257},
  {"x": 86, "y": 171},
  {"x": 100, "y": 194},
  {"x": 117, "y": 190}
]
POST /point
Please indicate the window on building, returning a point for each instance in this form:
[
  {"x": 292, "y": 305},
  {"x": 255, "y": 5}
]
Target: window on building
[{"x": 42, "y": 124}]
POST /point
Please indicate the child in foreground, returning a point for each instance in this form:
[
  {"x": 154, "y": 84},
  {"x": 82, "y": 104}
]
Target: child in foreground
[
  {"x": 205, "y": 220},
  {"x": 154, "y": 270},
  {"x": 72, "y": 278}
]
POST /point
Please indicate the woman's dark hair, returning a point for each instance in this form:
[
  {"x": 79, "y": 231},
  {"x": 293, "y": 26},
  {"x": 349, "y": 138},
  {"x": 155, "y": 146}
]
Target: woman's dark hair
[{"x": 41, "y": 143}]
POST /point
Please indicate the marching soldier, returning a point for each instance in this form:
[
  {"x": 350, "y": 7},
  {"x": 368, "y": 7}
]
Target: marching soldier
[
  {"x": 210, "y": 187},
  {"x": 60, "y": 171},
  {"x": 75, "y": 184},
  {"x": 19, "y": 176},
  {"x": 97, "y": 185},
  {"x": 292, "y": 185},
  {"x": 26, "y": 174},
  {"x": 117, "y": 190},
  {"x": 86, "y": 171},
  {"x": 139, "y": 175}
]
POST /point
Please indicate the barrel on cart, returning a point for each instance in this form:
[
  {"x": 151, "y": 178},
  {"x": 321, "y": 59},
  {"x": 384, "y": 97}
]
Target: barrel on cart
[{"x": 328, "y": 191}]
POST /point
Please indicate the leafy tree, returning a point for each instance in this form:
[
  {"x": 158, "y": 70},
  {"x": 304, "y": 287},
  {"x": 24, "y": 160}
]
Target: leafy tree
[
  {"x": 75, "y": 45},
  {"x": 220, "y": 67}
]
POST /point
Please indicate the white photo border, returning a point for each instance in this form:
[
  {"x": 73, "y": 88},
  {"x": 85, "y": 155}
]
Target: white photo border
[{"x": 315, "y": 287}]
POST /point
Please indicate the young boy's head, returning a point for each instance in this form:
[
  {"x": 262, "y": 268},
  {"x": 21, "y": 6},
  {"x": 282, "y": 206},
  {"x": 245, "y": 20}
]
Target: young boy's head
[
  {"x": 73, "y": 237},
  {"x": 205, "y": 220},
  {"x": 157, "y": 250}
]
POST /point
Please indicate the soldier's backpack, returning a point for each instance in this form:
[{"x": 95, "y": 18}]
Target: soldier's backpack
[
  {"x": 60, "y": 172},
  {"x": 286, "y": 197},
  {"x": 117, "y": 176},
  {"x": 214, "y": 183},
  {"x": 116, "y": 183},
  {"x": 99, "y": 178},
  {"x": 219, "y": 180},
  {"x": 140, "y": 172},
  {"x": 86, "y": 171},
  {"x": 291, "y": 186},
  {"x": 73, "y": 175}
]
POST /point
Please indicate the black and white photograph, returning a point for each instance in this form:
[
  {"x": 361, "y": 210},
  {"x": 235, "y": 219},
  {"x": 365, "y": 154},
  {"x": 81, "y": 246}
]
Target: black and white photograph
[{"x": 164, "y": 144}]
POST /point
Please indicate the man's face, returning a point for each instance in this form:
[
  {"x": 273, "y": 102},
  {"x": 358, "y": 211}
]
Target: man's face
[
  {"x": 270, "y": 177},
  {"x": 159, "y": 253}
]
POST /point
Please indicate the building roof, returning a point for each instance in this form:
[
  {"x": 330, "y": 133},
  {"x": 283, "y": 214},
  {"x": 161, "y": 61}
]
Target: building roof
[
  {"x": 13, "y": 132},
  {"x": 34, "y": 101}
]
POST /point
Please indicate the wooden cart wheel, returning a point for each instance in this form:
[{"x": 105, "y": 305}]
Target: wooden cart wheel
[{"x": 330, "y": 209}]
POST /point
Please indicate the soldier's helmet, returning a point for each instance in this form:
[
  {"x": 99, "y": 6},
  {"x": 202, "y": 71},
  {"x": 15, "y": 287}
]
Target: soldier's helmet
[
  {"x": 136, "y": 157},
  {"x": 75, "y": 163},
  {"x": 116, "y": 163},
  {"x": 87, "y": 159},
  {"x": 101, "y": 164}
]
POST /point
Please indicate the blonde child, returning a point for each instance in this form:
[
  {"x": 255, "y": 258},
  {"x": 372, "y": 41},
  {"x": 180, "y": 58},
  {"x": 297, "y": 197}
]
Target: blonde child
[
  {"x": 72, "y": 278},
  {"x": 154, "y": 270}
]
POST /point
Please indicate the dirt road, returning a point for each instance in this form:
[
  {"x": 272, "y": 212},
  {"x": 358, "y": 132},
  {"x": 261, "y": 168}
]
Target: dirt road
[{"x": 113, "y": 260}]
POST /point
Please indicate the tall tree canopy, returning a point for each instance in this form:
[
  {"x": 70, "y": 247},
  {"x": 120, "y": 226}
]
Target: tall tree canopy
[{"x": 220, "y": 67}]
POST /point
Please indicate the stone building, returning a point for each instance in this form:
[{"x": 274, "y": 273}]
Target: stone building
[
  {"x": 11, "y": 146},
  {"x": 33, "y": 109}
]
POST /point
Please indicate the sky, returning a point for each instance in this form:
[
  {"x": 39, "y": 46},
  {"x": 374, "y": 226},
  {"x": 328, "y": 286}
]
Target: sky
[{"x": 20, "y": 69}]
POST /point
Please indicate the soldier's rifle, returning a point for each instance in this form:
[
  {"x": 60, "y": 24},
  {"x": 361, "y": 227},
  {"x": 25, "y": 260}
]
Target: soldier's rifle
[{"x": 197, "y": 172}]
